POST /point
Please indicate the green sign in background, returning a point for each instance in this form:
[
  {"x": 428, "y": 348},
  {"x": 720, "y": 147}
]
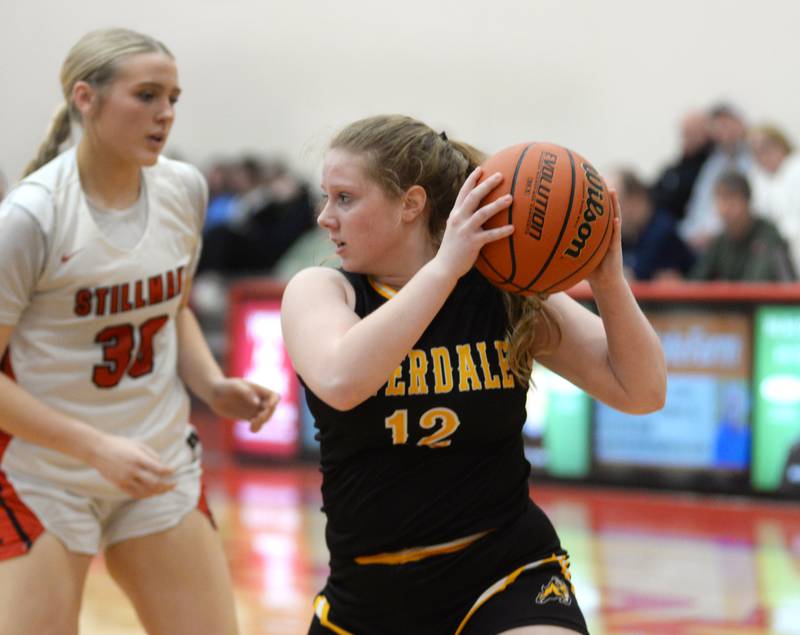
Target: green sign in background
[
  {"x": 776, "y": 393},
  {"x": 567, "y": 431}
]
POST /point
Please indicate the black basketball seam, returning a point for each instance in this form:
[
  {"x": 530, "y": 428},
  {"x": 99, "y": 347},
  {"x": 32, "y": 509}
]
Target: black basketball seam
[
  {"x": 491, "y": 266},
  {"x": 588, "y": 260},
  {"x": 500, "y": 279},
  {"x": 515, "y": 285},
  {"x": 563, "y": 225},
  {"x": 511, "y": 217}
]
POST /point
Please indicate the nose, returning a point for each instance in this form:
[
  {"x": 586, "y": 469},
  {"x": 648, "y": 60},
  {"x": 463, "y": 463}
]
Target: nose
[
  {"x": 166, "y": 114},
  {"x": 326, "y": 218}
]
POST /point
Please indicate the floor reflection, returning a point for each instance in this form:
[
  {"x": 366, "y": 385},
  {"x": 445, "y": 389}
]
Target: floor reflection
[{"x": 643, "y": 563}]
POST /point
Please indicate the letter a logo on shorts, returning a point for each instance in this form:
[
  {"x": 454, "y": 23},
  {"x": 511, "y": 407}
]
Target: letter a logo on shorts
[{"x": 554, "y": 591}]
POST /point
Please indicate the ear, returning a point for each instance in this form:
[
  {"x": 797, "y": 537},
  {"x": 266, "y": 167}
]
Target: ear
[
  {"x": 415, "y": 201},
  {"x": 84, "y": 97}
]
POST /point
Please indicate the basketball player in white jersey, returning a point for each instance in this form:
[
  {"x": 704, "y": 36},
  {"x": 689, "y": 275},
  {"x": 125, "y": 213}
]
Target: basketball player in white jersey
[{"x": 96, "y": 451}]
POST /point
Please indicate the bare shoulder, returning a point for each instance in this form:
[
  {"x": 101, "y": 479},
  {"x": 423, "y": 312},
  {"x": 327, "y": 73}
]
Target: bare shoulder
[
  {"x": 319, "y": 283},
  {"x": 316, "y": 309},
  {"x": 317, "y": 275}
]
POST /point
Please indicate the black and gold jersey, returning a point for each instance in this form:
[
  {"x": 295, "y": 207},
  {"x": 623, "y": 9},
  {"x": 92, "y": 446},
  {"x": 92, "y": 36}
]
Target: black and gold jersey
[{"x": 436, "y": 454}]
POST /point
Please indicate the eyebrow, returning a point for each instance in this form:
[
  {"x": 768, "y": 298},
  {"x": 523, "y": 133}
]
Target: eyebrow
[
  {"x": 340, "y": 187},
  {"x": 159, "y": 85}
]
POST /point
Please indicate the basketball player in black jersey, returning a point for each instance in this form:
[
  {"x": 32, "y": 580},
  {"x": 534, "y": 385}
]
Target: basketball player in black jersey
[{"x": 417, "y": 370}]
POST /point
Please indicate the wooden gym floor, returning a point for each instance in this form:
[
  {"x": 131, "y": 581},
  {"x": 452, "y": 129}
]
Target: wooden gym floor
[{"x": 643, "y": 563}]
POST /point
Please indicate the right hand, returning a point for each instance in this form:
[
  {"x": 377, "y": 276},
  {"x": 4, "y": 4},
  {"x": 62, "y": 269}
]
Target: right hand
[
  {"x": 132, "y": 466},
  {"x": 464, "y": 235}
]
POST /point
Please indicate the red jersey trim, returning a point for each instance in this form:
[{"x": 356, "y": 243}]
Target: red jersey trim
[{"x": 19, "y": 526}]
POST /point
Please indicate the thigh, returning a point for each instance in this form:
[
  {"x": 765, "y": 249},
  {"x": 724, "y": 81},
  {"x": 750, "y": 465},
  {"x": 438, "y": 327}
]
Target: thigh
[
  {"x": 135, "y": 518},
  {"x": 40, "y": 591},
  {"x": 177, "y": 579},
  {"x": 30, "y": 503}
]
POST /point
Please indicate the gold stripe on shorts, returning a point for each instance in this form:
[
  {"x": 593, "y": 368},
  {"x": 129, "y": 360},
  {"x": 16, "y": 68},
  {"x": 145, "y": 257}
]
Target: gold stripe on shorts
[
  {"x": 420, "y": 553},
  {"x": 501, "y": 585},
  {"x": 321, "y": 609}
]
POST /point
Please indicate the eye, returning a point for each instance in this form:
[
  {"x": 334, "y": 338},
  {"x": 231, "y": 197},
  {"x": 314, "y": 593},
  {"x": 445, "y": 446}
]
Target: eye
[
  {"x": 343, "y": 198},
  {"x": 146, "y": 96},
  {"x": 173, "y": 99}
]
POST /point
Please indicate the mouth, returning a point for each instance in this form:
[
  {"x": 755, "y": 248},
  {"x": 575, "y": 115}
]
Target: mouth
[
  {"x": 157, "y": 138},
  {"x": 339, "y": 244}
]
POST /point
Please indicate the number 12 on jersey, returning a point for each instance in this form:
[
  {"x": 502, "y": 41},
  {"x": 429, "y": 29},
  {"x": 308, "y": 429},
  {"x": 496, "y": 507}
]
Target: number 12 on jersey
[{"x": 446, "y": 420}]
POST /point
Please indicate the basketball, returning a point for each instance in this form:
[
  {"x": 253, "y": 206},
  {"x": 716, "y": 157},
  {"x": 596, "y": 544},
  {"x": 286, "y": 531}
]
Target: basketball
[{"x": 562, "y": 216}]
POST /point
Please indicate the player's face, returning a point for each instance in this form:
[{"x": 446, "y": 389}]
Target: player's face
[
  {"x": 360, "y": 218},
  {"x": 135, "y": 112}
]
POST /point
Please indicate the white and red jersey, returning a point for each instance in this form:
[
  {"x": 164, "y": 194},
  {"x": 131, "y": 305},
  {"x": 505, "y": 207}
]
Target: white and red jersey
[{"x": 97, "y": 337}]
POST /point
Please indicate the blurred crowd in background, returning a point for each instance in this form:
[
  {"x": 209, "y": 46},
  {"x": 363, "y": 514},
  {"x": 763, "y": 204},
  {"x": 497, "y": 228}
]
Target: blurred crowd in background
[{"x": 726, "y": 208}]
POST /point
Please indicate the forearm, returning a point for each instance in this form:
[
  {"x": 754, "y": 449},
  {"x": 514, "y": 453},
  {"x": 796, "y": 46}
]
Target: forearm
[
  {"x": 25, "y": 417},
  {"x": 196, "y": 365},
  {"x": 635, "y": 355}
]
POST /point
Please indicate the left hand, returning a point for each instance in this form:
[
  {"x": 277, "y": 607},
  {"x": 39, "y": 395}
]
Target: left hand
[
  {"x": 610, "y": 268},
  {"x": 236, "y": 398}
]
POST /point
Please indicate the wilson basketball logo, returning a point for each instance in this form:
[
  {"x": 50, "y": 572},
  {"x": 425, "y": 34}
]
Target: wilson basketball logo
[{"x": 592, "y": 209}]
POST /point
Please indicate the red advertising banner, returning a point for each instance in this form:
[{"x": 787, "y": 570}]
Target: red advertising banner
[{"x": 257, "y": 353}]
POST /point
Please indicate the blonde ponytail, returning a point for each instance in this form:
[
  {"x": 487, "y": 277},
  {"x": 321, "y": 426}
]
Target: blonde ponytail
[
  {"x": 58, "y": 133},
  {"x": 532, "y": 330}
]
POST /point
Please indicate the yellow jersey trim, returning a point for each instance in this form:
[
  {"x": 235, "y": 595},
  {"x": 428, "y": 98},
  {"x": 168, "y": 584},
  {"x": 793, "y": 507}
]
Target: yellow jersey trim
[
  {"x": 321, "y": 609},
  {"x": 502, "y": 585},
  {"x": 420, "y": 553},
  {"x": 382, "y": 289}
]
